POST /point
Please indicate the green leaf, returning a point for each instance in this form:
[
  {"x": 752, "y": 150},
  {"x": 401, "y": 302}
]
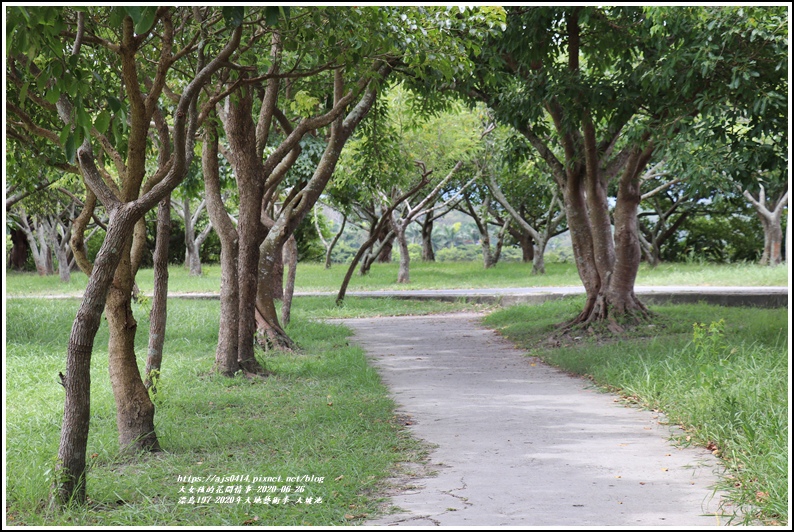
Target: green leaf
[
  {"x": 52, "y": 95},
  {"x": 233, "y": 15},
  {"x": 23, "y": 93},
  {"x": 67, "y": 129},
  {"x": 69, "y": 148},
  {"x": 134, "y": 12},
  {"x": 114, "y": 104},
  {"x": 272, "y": 14},
  {"x": 83, "y": 120},
  {"x": 147, "y": 20},
  {"x": 116, "y": 16},
  {"x": 102, "y": 121}
]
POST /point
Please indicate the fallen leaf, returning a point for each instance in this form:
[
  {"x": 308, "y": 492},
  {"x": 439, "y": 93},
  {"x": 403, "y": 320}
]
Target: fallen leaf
[{"x": 642, "y": 483}]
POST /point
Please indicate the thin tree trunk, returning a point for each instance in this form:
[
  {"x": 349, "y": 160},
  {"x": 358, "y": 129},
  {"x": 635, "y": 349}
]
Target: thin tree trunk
[
  {"x": 270, "y": 333},
  {"x": 428, "y": 254},
  {"x": 333, "y": 243},
  {"x": 500, "y": 240},
  {"x": 404, "y": 273},
  {"x": 159, "y": 312},
  {"x": 290, "y": 259}
]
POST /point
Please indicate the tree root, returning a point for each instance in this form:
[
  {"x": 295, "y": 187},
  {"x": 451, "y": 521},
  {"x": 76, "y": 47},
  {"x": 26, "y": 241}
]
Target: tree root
[{"x": 600, "y": 312}]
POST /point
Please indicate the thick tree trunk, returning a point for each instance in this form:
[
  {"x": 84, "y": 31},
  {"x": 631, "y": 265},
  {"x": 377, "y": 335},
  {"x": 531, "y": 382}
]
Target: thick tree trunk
[
  {"x": 19, "y": 251},
  {"x": 248, "y": 274},
  {"x": 428, "y": 254},
  {"x": 226, "y": 353},
  {"x": 525, "y": 242},
  {"x": 159, "y": 312},
  {"x": 384, "y": 256},
  {"x": 581, "y": 242},
  {"x": 538, "y": 262},
  {"x": 193, "y": 258},
  {"x": 134, "y": 409},
  {"x": 611, "y": 265},
  {"x": 485, "y": 244},
  {"x": 70, "y": 467}
]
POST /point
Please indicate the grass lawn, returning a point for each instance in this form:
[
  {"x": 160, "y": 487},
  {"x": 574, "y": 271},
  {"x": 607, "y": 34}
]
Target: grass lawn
[
  {"x": 719, "y": 372},
  {"x": 313, "y": 277},
  {"x": 324, "y": 413}
]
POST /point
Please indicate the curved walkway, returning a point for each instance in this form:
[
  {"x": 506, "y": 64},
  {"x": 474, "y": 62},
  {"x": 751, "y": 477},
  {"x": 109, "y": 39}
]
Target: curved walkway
[{"x": 522, "y": 444}]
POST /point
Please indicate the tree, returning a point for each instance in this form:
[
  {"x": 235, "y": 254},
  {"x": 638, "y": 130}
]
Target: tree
[
  {"x": 609, "y": 86},
  {"x": 50, "y": 86},
  {"x": 182, "y": 207}
]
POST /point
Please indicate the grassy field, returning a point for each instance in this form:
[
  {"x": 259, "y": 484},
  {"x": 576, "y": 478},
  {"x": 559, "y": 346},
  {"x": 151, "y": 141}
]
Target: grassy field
[
  {"x": 313, "y": 277},
  {"x": 324, "y": 413},
  {"x": 721, "y": 373}
]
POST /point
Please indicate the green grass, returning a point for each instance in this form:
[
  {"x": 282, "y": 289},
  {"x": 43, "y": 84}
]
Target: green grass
[
  {"x": 313, "y": 277},
  {"x": 324, "y": 412},
  {"x": 725, "y": 381},
  {"x": 732, "y": 392}
]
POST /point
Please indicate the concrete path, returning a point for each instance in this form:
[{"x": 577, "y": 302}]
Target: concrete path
[{"x": 522, "y": 444}]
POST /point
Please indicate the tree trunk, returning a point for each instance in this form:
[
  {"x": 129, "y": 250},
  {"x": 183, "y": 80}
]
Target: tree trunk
[
  {"x": 70, "y": 467},
  {"x": 403, "y": 274},
  {"x": 290, "y": 258},
  {"x": 771, "y": 222},
  {"x": 249, "y": 229},
  {"x": 193, "y": 259},
  {"x": 333, "y": 243},
  {"x": 384, "y": 256},
  {"x": 538, "y": 262},
  {"x": 525, "y": 242},
  {"x": 134, "y": 409},
  {"x": 428, "y": 254},
  {"x": 159, "y": 312},
  {"x": 226, "y": 353},
  {"x": 19, "y": 251},
  {"x": 270, "y": 334},
  {"x": 608, "y": 267},
  {"x": 277, "y": 275},
  {"x": 500, "y": 241},
  {"x": 50, "y": 227},
  {"x": 485, "y": 244},
  {"x": 37, "y": 249}
]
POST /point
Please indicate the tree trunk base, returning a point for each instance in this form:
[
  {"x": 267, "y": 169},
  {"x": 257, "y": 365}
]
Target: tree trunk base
[
  {"x": 272, "y": 338},
  {"x": 617, "y": 314}
]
